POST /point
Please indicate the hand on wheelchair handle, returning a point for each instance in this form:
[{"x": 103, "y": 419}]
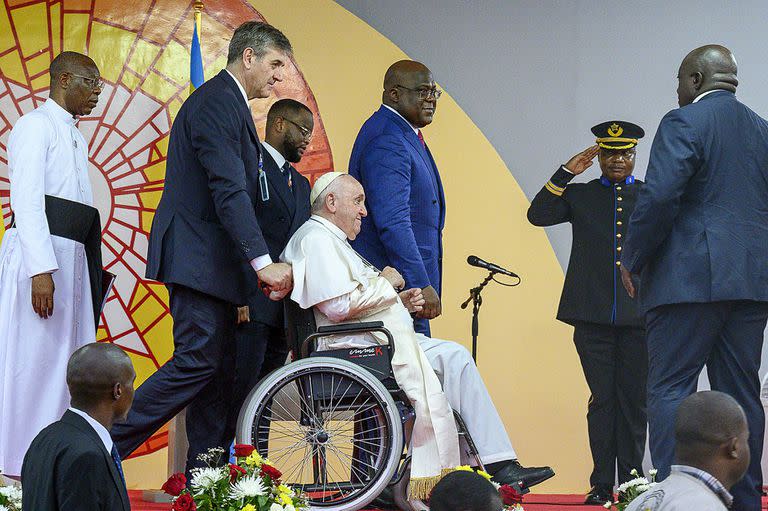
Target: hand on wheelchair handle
[
  {"x": 276, "y": 296},
  {"x": 276, "y": 276}
]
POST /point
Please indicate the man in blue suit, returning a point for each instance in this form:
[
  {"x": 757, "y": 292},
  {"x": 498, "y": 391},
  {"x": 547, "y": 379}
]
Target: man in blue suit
[
  {"x": 406, "y": 205},
  {"x": 205, "y": 236},
  {"x": 697, "y": 240}
]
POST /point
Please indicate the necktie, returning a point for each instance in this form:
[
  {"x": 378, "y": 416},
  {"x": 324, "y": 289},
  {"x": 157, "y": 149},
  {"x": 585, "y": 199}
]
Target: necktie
[
  {"x": 118, "y": 463},
  {"x": 421, "y": 138},
  {"x": 286, "y": 170}
]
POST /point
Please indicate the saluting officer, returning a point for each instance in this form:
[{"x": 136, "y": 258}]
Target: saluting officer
[{"x": 608, "y": 330}]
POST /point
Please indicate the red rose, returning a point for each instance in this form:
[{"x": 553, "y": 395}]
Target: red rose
[
  {"x": 175, "y": 484},
  {"x": 243, "y": 450},
  {"x": 272, "y": 472},
  {"x": 184, "y": 502},
  {"x": 510, "y": 496},
  {"x": 234, "y": 471}
]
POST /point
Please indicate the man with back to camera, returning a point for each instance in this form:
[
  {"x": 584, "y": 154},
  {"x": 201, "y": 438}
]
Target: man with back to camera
[
  {"x": 697, "y": 240},
  {"x": 711, "y": 455},
  {"x": 465, "y": 491},
  {"x": 203, "y": 232},
  {"x": 73, "y": 465},
  {"x": 288, "y": 134},
  {"x": 608, "y": 328},
  {"x": 50, "y": 258}
]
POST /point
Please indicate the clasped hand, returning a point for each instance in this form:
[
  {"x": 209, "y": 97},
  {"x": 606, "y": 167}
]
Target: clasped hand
[{"x": 276, "y": 280}]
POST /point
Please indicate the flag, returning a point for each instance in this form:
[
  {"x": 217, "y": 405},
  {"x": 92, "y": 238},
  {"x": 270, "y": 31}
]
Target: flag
[{"x": 196, "y": 78}]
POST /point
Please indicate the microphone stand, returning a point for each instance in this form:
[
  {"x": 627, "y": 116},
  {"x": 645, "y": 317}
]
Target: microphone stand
[{"x": 477, "y": 301}]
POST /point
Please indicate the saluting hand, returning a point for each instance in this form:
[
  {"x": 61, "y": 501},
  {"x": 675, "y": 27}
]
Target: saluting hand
[
  {"x": 42, "y": 295},
  {"x": 582, "y": 161}
]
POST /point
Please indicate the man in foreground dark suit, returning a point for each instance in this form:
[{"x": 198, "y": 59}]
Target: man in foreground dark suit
[
  {"x": 260, "y": 333},
  {"x": 204, "y": 232},
  {"x": 698, "y": 238},
  {"x": 72, "y": 464}
]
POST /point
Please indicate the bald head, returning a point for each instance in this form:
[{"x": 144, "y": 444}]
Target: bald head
[
  {"x": 404, "y": 83},
  {"x": 706, "y": 68},
  {"x": 70, "y": 62},
  {"x": 711, "y": 433},
  {"x": 94, "y": 370}
]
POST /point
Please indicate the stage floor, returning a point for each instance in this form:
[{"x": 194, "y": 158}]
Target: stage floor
[{"x": 532, "y": 502}]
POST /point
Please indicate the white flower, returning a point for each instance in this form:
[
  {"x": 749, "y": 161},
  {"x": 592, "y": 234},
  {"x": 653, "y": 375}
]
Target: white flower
[
  {"x": 275, "y": 507},
  {"x": 634, "y": 482},
  {"x": 607, "y": 504},
  {"x": 652, "y": 472},
  {"x": 13, "y": 493},
  {"x": 204, "y": 478},
  {"x": 495, "y": 485},
  {"x": 633, "y": 472},
  {"x": 250, "y": 486},
  {"x": 289, "y": 507},
  {"x": 642, "y": 487},
  {"x": 3, "y": 508}
]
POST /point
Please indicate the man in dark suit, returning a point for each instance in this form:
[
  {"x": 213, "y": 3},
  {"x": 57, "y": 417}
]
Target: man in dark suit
[
  {"x": 204, "y": 231},
  {"x": 608, "y": 328},
  {"x": 698, "y": 238},
  {"x": 260, "y": 334},
  {"x": 73, "y": 464},
  {"x": 404, "y": 194}
]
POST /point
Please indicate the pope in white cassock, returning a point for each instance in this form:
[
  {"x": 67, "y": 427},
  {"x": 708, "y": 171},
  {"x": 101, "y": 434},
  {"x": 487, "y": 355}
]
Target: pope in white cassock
[
  {"x": 436, "y": 375},
  {"x": 46, "y": 301}
]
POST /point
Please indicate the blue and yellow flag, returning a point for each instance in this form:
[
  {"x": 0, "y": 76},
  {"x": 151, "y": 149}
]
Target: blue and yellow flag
[{"x": 196, "y": 78}]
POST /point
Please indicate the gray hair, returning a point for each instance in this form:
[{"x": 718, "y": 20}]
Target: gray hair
[
  {"x": 260, "y": 37},
  {"x": 319, "y": 205}
]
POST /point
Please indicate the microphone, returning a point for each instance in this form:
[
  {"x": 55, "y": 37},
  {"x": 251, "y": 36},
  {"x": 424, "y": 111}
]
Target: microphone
[{"x": 476, "y": 261}]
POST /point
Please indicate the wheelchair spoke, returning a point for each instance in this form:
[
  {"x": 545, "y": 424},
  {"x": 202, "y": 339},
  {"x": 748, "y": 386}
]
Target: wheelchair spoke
[{"x": 355, "y": 470}]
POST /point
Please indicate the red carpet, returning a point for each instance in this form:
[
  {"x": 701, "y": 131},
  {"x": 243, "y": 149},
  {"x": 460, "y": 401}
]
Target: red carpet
[{"x": 532, "y": 502}]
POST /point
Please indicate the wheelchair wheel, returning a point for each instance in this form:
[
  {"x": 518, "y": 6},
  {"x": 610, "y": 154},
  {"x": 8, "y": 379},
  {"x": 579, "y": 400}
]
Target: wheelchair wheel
[{"x": 330, "y": 427}]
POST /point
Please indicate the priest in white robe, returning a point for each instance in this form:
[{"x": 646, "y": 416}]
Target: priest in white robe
[
  {"x": 341, "y": 286},
  {"x": 46, "y": 299}
]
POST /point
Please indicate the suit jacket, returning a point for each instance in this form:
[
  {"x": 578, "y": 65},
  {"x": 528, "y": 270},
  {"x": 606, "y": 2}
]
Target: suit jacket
[
  {"x": 67, "y": 468},
  {"x": 700, "y": 228},
  {"x": 205, "y": 227},
  {"x": 404, "y": 197},
  {"x": 598, "y": 212},
  {"x": 279, "y": 217}
]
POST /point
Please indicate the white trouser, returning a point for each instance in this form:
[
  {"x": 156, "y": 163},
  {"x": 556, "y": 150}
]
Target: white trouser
[{"x": 466, "y": 392}]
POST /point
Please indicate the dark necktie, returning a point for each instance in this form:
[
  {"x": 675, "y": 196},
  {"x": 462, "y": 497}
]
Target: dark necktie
[
  {"x": 421, "y": 138},
  {"x": 118, "y": 463},
  {"x": 286, "y": 170}
]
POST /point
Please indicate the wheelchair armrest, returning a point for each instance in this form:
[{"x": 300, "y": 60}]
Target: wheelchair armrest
[{"x": 348, "y": 328}]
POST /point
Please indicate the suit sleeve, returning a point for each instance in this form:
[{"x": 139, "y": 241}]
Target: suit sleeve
[
  {"x": 81, "y": 482},
  {"x": 386, "y": 174},
  {"x": 216, "y": 133},
  {"x": 673, "y": 162},
  {"x": 549, "y": 207}
]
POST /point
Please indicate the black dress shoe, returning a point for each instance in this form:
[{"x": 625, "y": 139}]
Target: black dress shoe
[
  {"x": 599, "y": 495},
  {"x": 514, "y": 472}
]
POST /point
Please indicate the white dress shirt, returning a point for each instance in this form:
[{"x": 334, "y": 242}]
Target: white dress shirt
[
  {"x": 415, "y": 130},
  {"x": 705, "y": 93}
]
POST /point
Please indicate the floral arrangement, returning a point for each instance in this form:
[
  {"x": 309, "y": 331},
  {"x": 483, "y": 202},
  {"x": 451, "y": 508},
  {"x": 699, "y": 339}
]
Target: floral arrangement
[
  {"x": 250, "y": 484},
  {"x": 629, "y": 491},
  {"x": 10, "y": 497},
  {"x": 510, "y": 496}
]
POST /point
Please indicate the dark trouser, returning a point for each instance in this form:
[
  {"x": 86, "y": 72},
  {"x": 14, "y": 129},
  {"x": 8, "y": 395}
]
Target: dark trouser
[
  {"x": 199, "y": 377},
  {"x": 727, "y": 337},
  {"x": 261, "y": 348},
  {"x": 614, "y": 360}
]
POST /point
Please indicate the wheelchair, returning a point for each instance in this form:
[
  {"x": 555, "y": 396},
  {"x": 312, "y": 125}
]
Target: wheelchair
[{"x": 334, "y": 422}]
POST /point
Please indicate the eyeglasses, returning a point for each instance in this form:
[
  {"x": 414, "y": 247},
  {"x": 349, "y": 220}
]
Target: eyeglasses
[
  {"x": 305, "y": 132},
  {"x": 424, "y": 93},
  {"x": 93, "y": 83}
]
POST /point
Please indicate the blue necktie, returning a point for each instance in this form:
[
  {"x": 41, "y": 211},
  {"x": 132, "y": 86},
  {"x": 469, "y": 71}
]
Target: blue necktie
[
  {"x": 118, "y": 463},
  {"x": 286, "y": 170}
]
